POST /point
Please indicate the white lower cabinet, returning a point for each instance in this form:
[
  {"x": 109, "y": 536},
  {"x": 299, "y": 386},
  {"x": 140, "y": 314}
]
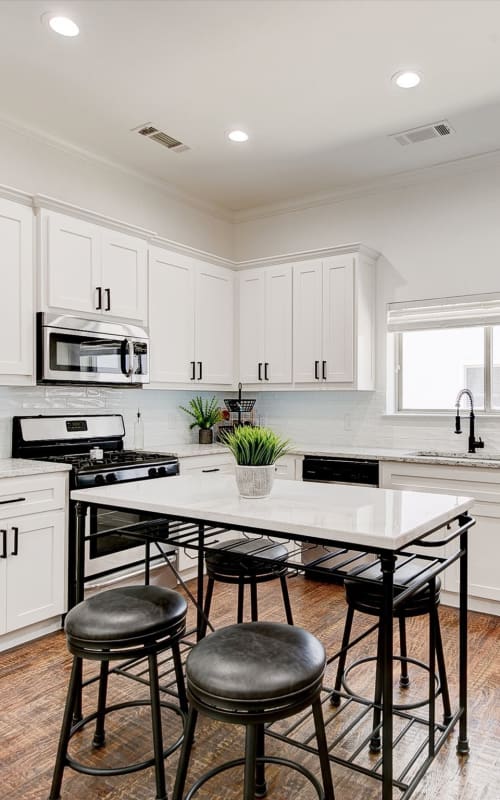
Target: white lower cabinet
[
  {"x": 32, "y": 557},
  {"x": 484, "y": 539}
]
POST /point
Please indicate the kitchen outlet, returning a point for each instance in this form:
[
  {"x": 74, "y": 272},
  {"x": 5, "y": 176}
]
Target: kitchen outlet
[{"x": 347, "y": 422}]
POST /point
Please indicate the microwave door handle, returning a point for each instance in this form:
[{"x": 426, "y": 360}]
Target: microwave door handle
[
  {"x": 131, "y": 356},
  {"x": 124, "y": 355}
]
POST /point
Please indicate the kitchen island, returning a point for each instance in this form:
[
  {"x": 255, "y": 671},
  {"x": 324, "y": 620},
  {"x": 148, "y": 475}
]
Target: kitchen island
[{"x": 386, "y": 523}]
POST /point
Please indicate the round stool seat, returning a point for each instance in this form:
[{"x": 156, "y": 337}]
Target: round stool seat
[
  {"x": 130, "y": 613},
  {"x": 230, "y": 560},
  {"x": 253, "y": 664},
  {"x": 368, "y": 597}
]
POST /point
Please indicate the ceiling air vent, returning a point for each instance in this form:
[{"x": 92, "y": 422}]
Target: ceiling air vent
[
  {"x": 150, "y": 132},
  {"x": 423, "y": 134}
]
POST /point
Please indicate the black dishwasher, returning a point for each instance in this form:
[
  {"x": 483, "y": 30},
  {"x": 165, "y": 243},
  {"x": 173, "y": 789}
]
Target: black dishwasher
[{"x": 336, "y": 469}]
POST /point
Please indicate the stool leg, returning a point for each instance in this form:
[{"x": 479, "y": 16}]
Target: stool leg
[
  {"x": 77, "y": 708},
  {"x": 179, "y": 676},
  {"x": 206, "y": 607},
  {"x": 260, "y": 770},
  {"x": 99, "y": 734},
  {"x": 154, "y": 689},
  {"x": 241, "y": 597},
  {"x": 62, "y": 749},
  {"x": 250, "y": 762},
  {"x": 404, "y": 680},
  {"x": 334, "y": 697},
  {"x": 253, "y": 601},
  {"x": 443, "y": 679},
  {"x": 324, "y": 761},
  {"x": 286, "y": 599},
  {"x": 375, "y": 743},
  {"x": 182, "y": 768}
]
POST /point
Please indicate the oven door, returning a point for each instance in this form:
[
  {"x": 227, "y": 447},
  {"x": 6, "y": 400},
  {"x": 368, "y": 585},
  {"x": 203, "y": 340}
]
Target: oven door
[{"x": 110, "y": 550}]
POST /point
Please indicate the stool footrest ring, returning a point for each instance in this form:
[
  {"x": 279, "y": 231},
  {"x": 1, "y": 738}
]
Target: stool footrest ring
[
  {"x": 396, "y": 706},
  {"x": 238, "y": 762},
  {"x": 125, "y": 770}
]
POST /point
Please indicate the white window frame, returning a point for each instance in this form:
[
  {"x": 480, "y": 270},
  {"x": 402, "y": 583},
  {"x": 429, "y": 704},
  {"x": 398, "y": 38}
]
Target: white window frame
[{"x": 449, "y": 312}]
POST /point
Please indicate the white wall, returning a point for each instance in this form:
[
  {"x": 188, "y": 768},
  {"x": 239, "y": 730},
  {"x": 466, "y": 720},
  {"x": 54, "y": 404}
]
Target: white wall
[
  {"x": 36, "y": 166},
  {"x": 438, "y": 238}
]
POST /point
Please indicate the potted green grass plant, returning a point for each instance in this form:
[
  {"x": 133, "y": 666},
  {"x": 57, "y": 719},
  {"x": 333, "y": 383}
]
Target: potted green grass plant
[
  {"x": 205, "y": 414},
  {"x": 256, "y": 451}
]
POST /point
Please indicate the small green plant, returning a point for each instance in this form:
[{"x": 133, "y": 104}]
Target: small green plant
[
  {"x": 255, "y": 447},
  {"x": 205, "y": 413}
]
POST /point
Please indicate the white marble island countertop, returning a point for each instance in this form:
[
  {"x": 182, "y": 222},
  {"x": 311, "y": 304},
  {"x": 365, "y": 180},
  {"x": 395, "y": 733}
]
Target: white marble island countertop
[
  {"x": 379, "y": 518},
  {"x": 14, "y": 467}
]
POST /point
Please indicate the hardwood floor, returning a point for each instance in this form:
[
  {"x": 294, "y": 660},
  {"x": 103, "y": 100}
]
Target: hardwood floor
[{"x": 33, "y": 680}]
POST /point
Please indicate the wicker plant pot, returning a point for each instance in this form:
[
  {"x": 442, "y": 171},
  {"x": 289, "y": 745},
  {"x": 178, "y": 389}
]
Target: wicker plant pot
[{"x": 255, "y": 481}]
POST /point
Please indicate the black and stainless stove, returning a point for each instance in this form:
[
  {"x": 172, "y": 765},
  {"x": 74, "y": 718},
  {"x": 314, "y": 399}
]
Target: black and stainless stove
[{"x": 93, "y": 446}]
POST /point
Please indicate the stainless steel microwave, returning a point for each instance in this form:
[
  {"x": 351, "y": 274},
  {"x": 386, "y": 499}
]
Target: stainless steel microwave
[{"x": 75, "y": 350}]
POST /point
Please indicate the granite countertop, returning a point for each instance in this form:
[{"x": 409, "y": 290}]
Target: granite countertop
[
  {"x": 462, "y": 459},
  {"x": 355, "y": 515},
  {"x": 13, "y": 467}
]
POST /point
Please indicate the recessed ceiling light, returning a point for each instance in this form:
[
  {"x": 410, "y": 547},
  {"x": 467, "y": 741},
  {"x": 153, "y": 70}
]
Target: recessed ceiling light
[
  {"x": 238, "y": 136},
  {"x": 64, "y": 26},
  {"x": 407, "y": 79}
]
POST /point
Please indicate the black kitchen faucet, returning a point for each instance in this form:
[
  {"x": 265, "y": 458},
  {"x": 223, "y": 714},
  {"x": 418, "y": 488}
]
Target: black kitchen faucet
[{"x": 473, "y": 442}]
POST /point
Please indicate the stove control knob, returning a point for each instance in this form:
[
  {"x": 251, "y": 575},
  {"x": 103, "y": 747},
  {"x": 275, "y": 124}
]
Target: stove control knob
[
  {"x": 99, "y": 480},
  {"x": 153, "y": 472},
  {"x": 111, "y": 477},
  {"x": 162, "y": 472}
]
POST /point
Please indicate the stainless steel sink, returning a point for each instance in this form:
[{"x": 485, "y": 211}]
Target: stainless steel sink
[{"x": 456, "y": 455}]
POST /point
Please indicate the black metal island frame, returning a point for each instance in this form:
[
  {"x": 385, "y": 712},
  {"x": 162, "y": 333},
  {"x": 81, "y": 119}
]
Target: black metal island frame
[{"x": 340, "y": 525}]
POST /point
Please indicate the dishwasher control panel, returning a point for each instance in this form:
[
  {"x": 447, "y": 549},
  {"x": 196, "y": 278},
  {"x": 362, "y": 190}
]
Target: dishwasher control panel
[{"x": 333, "y": 469}]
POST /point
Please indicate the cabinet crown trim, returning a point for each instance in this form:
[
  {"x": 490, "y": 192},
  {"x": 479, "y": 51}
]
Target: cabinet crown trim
[
  {"x": 306, "y": 255},
  {"x": 44, "y": 202}
]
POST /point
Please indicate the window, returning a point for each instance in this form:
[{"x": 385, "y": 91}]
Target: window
[{"x": 442, "y": 346}]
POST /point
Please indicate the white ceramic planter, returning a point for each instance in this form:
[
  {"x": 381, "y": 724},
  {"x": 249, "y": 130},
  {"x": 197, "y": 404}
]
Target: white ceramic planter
[{"x": 255, "y": 481}]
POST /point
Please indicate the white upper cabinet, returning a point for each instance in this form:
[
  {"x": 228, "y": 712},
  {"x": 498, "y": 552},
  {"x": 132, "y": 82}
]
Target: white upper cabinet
[
  {"x": 16, "y": 297},
  {"x": 265, "y": 330},
  {"x": 334, "y": 307},
  {"x": 86, "y": 268},
  {"x": 190, "y": 321}
]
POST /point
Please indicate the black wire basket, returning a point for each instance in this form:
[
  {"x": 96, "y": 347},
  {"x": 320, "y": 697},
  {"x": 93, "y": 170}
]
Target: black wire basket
[{"x": 234, "y": 405}]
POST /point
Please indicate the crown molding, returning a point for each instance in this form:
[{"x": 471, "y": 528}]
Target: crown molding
[
  {"x": 165, "y": 188},
  {"x": 193, "y": 252},
  {"x": 400, "y": 180},
  {"x": 305, "y": 255},
  {"x": 43, "y": 201},
  {"x": 17, "y": 195}
]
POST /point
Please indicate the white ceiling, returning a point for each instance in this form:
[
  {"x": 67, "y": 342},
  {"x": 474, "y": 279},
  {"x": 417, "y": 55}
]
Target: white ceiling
[{"x": 310, "y": 80}]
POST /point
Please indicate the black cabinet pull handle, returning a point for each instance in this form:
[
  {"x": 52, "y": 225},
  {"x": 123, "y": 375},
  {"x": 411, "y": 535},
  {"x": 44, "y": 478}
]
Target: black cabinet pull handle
[
  {"x": 260, "y": 370},
  {"x": 266, "y": 367},
  {"x": 4, "y": 544},
  {"x": 324, "y": 370},
  {"x": 14, "y": 500},
  {"x": 316, "y": 370},
  {"x": 200, "y": 370},
  {"x": 108, "y": 299},
  {"x": 15, "y": 551},
  {"x": 99, "y": 298},
  {"x": 193, "y": 370},
  {"x": 215, "y": 469}
]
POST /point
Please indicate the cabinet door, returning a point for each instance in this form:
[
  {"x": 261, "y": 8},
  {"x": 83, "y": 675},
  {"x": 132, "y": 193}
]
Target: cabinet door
[
  {"x": 124, "y": 275},
  {"x": 214, "y": 327},
  {"x": 171, "y": 317},
  {"x": 16, "y": 297},
  {"x": 278, "y": 324},
  {"x": 307, "y": 310},
  {"x": 338, "y": 319},
  {"x": 35, "y": 576},
  {"x": 73, "y": 263},
  {"x": 251, "y": 316}
]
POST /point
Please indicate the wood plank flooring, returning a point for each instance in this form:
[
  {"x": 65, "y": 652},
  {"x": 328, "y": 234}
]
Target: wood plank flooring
[{"x": 33, "y": 680}]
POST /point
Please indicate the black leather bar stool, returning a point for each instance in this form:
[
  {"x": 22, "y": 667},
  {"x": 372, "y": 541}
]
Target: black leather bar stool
[
  {"x": 247, "y": 562},
  {"x": 252, "y": 674},
  {"x": 124, "y": 623},
  {"x": 367, "y": 599}
]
